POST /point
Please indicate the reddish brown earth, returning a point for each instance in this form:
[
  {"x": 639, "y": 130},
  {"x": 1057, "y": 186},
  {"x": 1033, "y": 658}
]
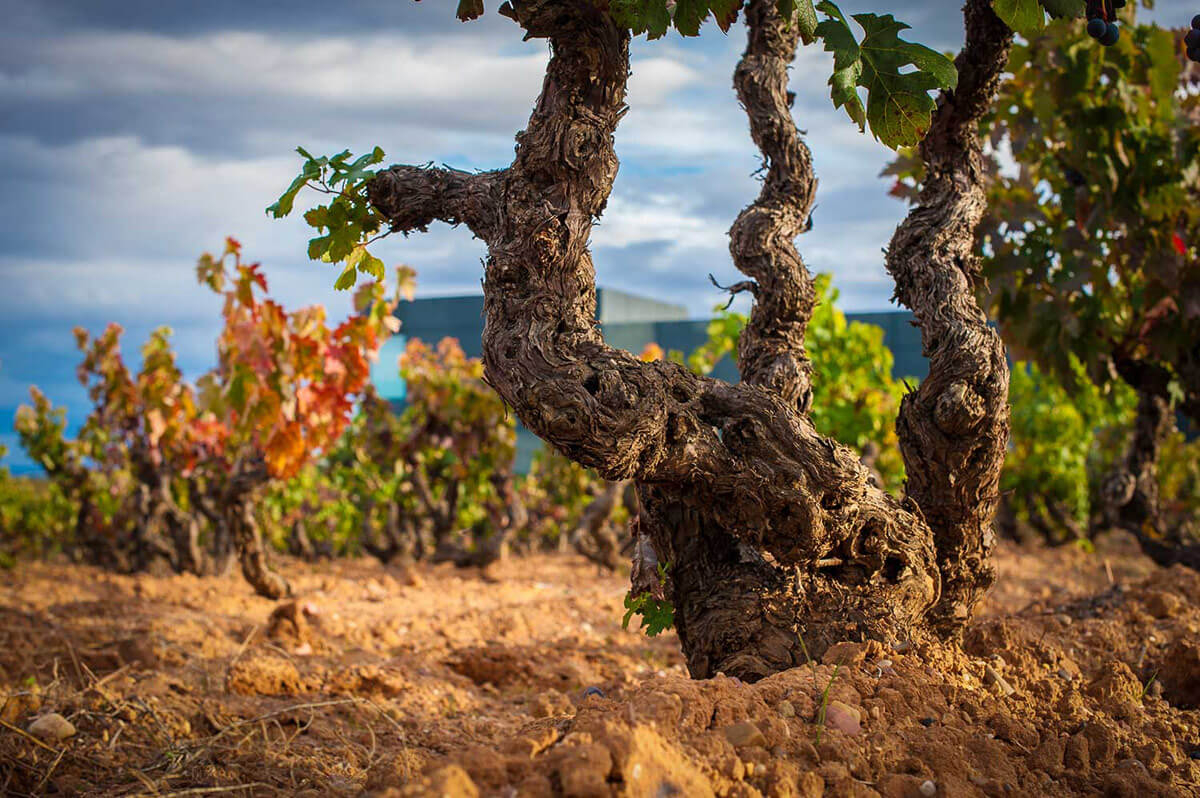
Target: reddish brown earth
[{"x": 461, "y": 683}]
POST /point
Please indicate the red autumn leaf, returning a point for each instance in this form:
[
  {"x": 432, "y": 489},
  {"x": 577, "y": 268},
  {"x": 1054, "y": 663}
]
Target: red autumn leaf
[{"x": 1179, "y": 244}]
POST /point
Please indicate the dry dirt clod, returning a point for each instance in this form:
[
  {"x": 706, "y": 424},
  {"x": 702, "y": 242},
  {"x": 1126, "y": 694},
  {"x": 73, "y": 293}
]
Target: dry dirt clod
[
  {"x": 52, "y": 726},
  {"x": 786, "y": 709},
  {"x": 744, "y": 734},
  {"x": 1162, "y": 604},
  {"x": 844, "y": 653},
  {"x": 844, "y": 718}
]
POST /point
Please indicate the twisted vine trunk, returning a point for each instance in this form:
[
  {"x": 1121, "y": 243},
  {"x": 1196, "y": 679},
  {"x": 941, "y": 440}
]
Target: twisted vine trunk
[
  {"x": 230, "y": 508},
  {"x": 953, "y": 429},
  {"x": 1130, "y": 494},
  {"x": 252, "y": 553},
  {"x": 775, "y": 539}
]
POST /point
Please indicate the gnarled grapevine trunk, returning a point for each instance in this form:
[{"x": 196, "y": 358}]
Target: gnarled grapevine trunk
[
  {"x": 231, "y": 511},
  {"x": 1130, "y": 494},
  {"x": 953, "y": 429},
  {"x": 252, "y": 552},
  {"x": 775, "y": 539}
]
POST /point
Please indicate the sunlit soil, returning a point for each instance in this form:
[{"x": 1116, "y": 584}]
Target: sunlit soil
[{"x": 1082, "y": 677}]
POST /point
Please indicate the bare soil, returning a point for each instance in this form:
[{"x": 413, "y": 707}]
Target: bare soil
[{"x": 1082, "y": 677}]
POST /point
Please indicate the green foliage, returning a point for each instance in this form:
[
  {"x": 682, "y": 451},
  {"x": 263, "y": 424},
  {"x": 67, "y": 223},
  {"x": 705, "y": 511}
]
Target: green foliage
[
  {"x": 1062, "y": 441},
  {"x": 34, "y": 516},
  {"x": 317, "y": 497},
  {"x": 348, "y": 223},
  {"x": 1090, "y": 244},
  {"x": 1029, "y": 16},
  {"x": 654, "y": 18},
  {"x": 855, "y": 397},
  {"x": 446, "y": 456},
  {"x": 1066, "y": 440},
  {"x": 899, "y": 104},
  {"x": 896, "y": 75},
  {"x": 656, "y": 612},
  {"x": 1091, "y": 247}
]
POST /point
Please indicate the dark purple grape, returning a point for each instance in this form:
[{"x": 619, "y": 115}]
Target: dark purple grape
[
  {"x": 1196, "y": 22},
  {"x": 1112, "y": 34},
  {"x": 1096, "y": 27},
  {"x": 1192, "y": 39},
  {"x": 1193, "y": 53}
]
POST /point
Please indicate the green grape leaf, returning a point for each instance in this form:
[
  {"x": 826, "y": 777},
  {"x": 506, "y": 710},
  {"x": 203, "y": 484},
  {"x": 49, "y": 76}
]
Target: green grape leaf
[
  {"x": 346, "y": 279},
  {"x": 1023, "y": 16},
  {"x": 642, "y": 16},
  {"x": 689, "y": 15},
  {"x": 899, "y": 106},
  {"x": 805, "y": 17},
  {"x": 658, "y": 615}
]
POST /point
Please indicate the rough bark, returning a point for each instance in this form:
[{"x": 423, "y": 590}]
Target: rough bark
[
  {"x": 1130, "y": 494},
  {"x": 236, "y": 508},
  {"x": 953, "y": 429},
  {"x": 252, "y": 553},
  {"x": 770, "y": 532},
  {"x": 771, "y": 347}
]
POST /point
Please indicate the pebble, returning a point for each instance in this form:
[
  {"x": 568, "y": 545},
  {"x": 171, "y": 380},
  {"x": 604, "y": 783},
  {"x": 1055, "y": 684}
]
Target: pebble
[
  {"x": 744, "y": 734},
  {"x": 786, "y": 710},
  {"x": 844, "y": 718},
  {"x": 52, "y": 726},
  {"x": 375, "y": 591},
  {"x": 928, "y": 788}
]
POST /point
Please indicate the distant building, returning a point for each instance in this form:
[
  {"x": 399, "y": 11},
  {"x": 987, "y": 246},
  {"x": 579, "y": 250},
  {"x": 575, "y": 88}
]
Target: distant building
[{"x": 628, "y": 321}]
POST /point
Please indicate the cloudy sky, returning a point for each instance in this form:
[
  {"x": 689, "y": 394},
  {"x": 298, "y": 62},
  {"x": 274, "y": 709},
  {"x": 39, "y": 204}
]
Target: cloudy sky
[{"x": 136, "y": 134}]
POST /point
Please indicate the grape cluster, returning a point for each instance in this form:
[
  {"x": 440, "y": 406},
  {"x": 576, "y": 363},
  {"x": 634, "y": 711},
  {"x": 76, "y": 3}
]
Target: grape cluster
[
  {"x": 1192, "y": 40},
  {"x": 1102, "y": 21}
]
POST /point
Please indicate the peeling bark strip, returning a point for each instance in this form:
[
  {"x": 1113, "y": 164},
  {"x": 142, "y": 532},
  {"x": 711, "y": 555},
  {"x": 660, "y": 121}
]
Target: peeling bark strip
[
  {"x": 774, "y": 536},
  {"x": 771, "y": 348}
]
